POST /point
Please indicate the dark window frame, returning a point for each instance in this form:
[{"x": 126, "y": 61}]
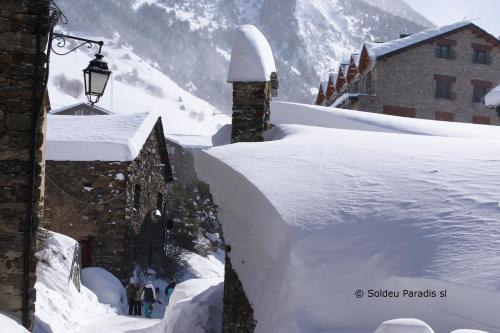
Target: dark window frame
[
  {"x": 481, "y": 57},
  {"x": 443, "y": 51},
  {"x": 478, "y": 93},
  {"x": 444, "y": 89}
]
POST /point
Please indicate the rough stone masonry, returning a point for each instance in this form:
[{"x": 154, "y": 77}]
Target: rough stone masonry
[
  {"x": 24, "y": 27},
  {"x": 251, "y": 117}
]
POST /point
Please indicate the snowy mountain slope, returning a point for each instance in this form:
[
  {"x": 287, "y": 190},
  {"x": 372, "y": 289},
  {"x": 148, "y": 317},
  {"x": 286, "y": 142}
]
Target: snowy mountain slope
[
  {"x": 136, "y": 85},
  {"x": 191, "y": 39},
  {"x": 402, "y": 9},
  {"x": 324, "y": 212}
]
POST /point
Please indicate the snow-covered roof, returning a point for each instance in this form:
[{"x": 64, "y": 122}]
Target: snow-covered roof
[
  {"x": 252, "y": 59},
  {"x": 321, "y": 116},
  {"x": 492, "y": 99},
  {"x": 345, "y": 69},
  {"x": 323, "y": 212},
  {"x": 81, "y": 106},
  {"x": 333, "y": 77},
  {"x": 98, "y": 138},
  {"x": 355, "y": 58},
  {"x": 377, "y": 50}
]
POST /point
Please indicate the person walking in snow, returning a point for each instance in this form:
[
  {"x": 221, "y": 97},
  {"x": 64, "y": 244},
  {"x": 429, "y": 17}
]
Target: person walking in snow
[
  {"x": 149, "y": 296},
  {"x": 170, "y": 289},
  {"x": 137, "y": 300},
  {"x": 131, "y": 296}
]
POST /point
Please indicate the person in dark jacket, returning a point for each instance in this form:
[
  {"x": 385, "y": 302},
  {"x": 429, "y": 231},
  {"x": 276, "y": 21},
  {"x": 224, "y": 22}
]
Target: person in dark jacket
[
  {"x": 170, "y": 289},
  {"x": 137, "y": 299},
  {"x": 149, "y": 297},
  {"x": 131, "y": 296}
]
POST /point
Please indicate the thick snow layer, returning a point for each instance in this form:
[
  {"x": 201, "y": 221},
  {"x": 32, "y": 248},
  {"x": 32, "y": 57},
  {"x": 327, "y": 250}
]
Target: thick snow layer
[
  {"x": 194, "y": 307},
  {"x": 108, "y": 289},
  {"x": 404, "y": 325},
  {"x": 312, "y": 115},
  {"x": 468, "y": 331},
  {"x": 9, "y": 325},
  {"x": 321, "y": 213},
  {"x": 492, "y": 99},
  {"x": 60, "y": 307},
  {"x": 252, "y": 59},
  {"x": 137, "y": 85},
  {"x": 103, "y": 138},
  {"x": 377, "y": 50}
]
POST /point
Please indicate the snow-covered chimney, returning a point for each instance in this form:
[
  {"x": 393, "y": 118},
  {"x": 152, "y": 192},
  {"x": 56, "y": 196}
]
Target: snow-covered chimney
[{"x": 253, "y": 74}]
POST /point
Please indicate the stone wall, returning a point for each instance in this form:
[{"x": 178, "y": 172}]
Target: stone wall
[
  {"x": 408, "y": 80},
  {"x": 93, "y": 202},
  {"x": 251, "y": 117},
  {"x": 251, "y": 111},
  {"x": 24, "y": 26}
]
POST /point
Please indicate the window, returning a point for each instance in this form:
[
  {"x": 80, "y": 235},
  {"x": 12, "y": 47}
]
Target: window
[
  {"x": 137, "y": 196},
  {"x": 159, "y": 201},
  {"x": 478, "y": 93},
  {"x": 481, "y": 57},
  {"x": 170, "y": 150},
  {"x": 443, "y": 51},
  {"x": 443, "y": 89}
]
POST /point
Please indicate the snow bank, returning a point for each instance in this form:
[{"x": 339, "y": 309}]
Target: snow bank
[
  {"x": 9, "y": 325},
  {"x": 312, "y": 115},
  {"x": 60, "y": 307},
  {"x": 108, "y": 289},
  {"x": 194, "y": 307},
  {"x": 492, "y": 99},
  {"x": 377, "y": 50},
  {"x": 320, "y": 213},
  {"x": 404, "y": 325},
  {"x": 103, "y": 138},
  {"x": 252, "y": 59}
]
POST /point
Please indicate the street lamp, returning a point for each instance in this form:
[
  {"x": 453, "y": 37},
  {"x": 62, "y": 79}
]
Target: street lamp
[{"x": 96, "y": 77}]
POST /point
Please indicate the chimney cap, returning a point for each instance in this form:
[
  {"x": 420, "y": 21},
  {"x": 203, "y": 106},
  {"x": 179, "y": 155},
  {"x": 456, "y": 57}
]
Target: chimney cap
[{"x": 252, "y": 59}]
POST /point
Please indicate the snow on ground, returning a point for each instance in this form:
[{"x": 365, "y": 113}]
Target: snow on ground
[
  {"x": 190, "y": 141},
  {"x": 108, "y": 289},
  {"x": 200, "y": 267},
  {"x": 60, "y": 307},
  {"x": 9, "y": 325},
  {"x": 104, "y": 138},
  {"x": 321, "y": 213},
  {"x": 136, "y": 85},
  {"x": 492, "y": 99},
  {"x": 252, "y": 59},
  {"x": 195, "y": 307},
  {"x": 320, "y": 116}
]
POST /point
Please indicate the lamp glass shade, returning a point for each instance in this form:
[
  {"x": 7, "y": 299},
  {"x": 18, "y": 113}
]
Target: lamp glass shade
[{"x": 96, "y": 77}]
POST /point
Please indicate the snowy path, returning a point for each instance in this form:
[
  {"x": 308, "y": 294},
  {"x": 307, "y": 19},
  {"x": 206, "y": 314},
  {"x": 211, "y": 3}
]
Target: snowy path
[{"x": 119, "y": 324}]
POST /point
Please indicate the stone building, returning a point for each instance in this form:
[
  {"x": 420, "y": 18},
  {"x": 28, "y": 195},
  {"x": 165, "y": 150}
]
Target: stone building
[
  {"x": 24, "y": 27},
  {"x": 107, "y": 180},
  {"x": 442, "y": 74},
  {"x": 81, "y": 109}
]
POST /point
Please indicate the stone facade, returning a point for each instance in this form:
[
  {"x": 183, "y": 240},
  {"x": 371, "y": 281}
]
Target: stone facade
[
  {"x": 182, "y": 161},
  {"x": 407, "y": 80},
  {"x": 251, "y": 111},
  {"x": 24, "y": 27},
  {"x": 251, "y": 117},
  {"x": 107, "y": 206}
]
